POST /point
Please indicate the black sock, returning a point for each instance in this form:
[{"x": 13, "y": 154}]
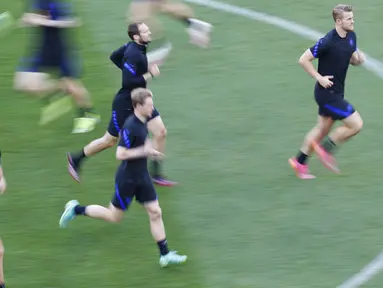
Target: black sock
[
  {"x": 328, "y": 145},
  {"x": 163, "y": 246},
  {"x": 78, "y": 157},
  {"x": 79, "y": 210},
  {"x": 302, "y": 158},
  {"x": 2, "y": 285},
  {"x": 187, "y": 21},
  {"x": 156, "y": 168}
]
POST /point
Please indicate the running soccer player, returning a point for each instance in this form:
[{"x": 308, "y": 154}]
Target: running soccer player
[
  {"x": 132, "y": 60},
  {"x": 55, "y": 51},
  {"x": 146, "y": 11},
  {"x": 3, "y": 187},
  {"x": 132, "y": 179},
  {"x": 335, "y": 51}
]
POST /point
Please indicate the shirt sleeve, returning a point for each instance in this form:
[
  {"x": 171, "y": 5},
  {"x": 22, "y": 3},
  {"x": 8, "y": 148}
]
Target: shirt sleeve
[
  {"x": 117, "y": 57},
  {"x": 126, "y": 138},
  {"x": 131, "y": 79},
  {"x": 320, "y": 47}
]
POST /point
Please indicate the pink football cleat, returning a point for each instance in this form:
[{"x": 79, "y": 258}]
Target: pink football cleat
[
  {"x": 327, "y": 159},
  {"x": 301, "y": 170}
]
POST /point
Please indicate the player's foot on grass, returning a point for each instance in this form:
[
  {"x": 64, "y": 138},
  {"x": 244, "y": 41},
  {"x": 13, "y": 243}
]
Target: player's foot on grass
[
  {"x": 84, "y": 124},
  {"x": 73, "y": 166},
  {"x": 69, "y": 213},
  {"x": 302, "y": 171},
  {"x": 327, "y": 159},
  {"x": 200, "y": 33},
  {"x": 162, "y": 181},
  {"x": 172, "y": 258}
]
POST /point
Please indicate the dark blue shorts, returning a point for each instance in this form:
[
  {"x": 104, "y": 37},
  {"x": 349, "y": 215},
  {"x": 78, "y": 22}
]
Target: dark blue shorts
[
  {"x": 126, "y": 190},
  {"x": 332, "y": 104},
  {"x": 67, "y": 64},
  {"x": 121, "y": 109}
]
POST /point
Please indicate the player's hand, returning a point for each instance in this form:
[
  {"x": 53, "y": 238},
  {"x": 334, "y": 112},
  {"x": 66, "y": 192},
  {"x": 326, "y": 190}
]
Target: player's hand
[
  {"x": 154, "y": 70},
  {"x": 3, "y": 185},
  {"x": 325, "y": 81},
  {"x": 155, "y": 155},
  {"x": 151, "y": 152},
  {"x": 361, "y": 57}
]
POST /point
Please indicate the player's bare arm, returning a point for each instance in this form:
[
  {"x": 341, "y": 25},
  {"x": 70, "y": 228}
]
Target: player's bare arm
[
  {"x": 34, "y": 19},
  {"x": 306, "y": 62}
]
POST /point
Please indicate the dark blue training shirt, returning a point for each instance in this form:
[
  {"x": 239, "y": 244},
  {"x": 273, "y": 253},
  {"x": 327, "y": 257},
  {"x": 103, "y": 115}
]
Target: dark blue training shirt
[
  {"x": 334, "y": 54},
  {"x": 132, "y": 60},
  {"x": 133, "y": 135}
]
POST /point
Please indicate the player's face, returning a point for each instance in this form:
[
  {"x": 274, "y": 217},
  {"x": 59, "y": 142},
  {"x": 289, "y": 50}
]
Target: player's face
[
  {"x": 148, "y": 107},
  {"x": 145, "y": 33},
  {"x": 347, "y": 21}
]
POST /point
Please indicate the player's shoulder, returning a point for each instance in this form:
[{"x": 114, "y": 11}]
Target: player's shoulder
[
  {"x": 131, "y": 123},
  {"x": 130, "y": 48},
  {"x": 352, "y": 34},
  {"x": 330, "y": 36}
]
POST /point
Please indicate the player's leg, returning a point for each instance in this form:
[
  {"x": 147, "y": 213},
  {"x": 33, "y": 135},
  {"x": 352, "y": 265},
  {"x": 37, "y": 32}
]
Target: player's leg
[
  {"x": 2, "y": 281},
  {"x": 199, "y": 31},
  {"x": 124, "y": 193},
  {"x": 70, "y": 74},
  {"x": 147, "y": 196},
  {"x": 120, "y": 111},
  {"x": 299, "y": 163},
  {"x": 158, "y": 130},
  {"x": 352, "y": 125},
  {"x": 75, "y": 159}
]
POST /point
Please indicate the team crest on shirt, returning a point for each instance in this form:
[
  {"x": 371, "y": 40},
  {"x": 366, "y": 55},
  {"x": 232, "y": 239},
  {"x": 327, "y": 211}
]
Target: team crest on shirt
[{"x": 352, "y": 42}]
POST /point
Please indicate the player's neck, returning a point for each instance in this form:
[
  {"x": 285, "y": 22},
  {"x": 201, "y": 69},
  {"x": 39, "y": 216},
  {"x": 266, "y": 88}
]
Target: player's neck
[
  {"x": 140, "y": 117},
  {"x": 341, "y": 32}
]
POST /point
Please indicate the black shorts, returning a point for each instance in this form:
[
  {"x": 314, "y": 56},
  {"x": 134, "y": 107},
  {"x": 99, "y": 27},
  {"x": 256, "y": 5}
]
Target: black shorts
[
  {"x": 332, "y": 104},
  {"x": 67, "y": 64},
  {"x": 121, "y": 110},
  {"x": 125, "y": 190}
]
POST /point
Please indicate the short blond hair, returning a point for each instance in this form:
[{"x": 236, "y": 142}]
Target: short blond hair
[
  {"x": 139, "y": 96},
  {"x": 337, "y": 12}
]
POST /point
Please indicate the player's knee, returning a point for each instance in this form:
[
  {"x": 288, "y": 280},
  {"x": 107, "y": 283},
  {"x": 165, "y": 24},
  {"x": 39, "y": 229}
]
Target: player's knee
[
  {"x": 357, "y": 127},
  {"x": 115, "y": 218},
  {"x": 155, "y": 213}
]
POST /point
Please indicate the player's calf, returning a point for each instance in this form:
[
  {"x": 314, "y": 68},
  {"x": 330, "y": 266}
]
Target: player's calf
[
  {"x": 157, "y": 127},
  {"x": 87, "y": 118},
  {"x": 157, "y": 229},
  {"x": 96, "y": 146}
]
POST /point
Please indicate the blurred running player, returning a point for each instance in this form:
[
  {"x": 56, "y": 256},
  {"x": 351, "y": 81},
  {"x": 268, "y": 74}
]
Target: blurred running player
[
  {"x": 55, "y": 50},
  {"x": 145, "y": 11}
]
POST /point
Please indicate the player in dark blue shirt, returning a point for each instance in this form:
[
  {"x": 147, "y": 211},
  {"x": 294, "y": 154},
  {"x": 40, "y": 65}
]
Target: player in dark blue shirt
[
  {"x": 3, "y": 187},
  {"x": 132, "y": 178},
  {"x": 335, "y": 51},
  {"x": 53, "y": 49},
  {"x": 132, "y": 60}
]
